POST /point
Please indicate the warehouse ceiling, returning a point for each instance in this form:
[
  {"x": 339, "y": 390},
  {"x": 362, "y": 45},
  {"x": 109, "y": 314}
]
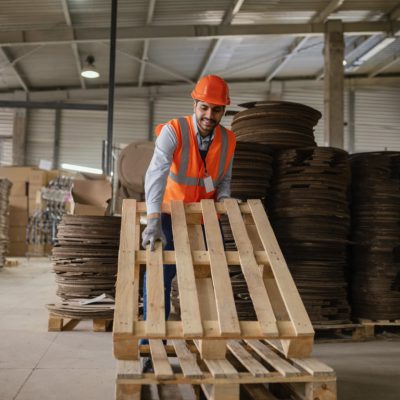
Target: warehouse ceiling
[{"x": 44, "y": 43}]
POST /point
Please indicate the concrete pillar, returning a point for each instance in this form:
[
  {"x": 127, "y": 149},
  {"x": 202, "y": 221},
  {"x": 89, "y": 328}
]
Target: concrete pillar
[
  {"x": 19, "y": 132},
  {"x": 334, "y": 84}
]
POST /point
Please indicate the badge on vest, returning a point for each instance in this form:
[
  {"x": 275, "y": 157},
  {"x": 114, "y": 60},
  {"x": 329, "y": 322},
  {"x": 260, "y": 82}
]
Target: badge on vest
[{"x": 208, "y": 184}]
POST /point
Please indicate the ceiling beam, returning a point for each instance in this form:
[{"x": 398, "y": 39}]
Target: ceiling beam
[
  {"x": 90, "y": 35},
  {"x": 146, "y": 43},
  {"x": 11, "y": 63},
  {"x": 129, "y": 91},
  {"x": 74, "y": 46},
  {"x": 331, "y": 7},
  {"x": 216, "y": 43},
  {"x": 384, "y": 66},
  {"x": 298, "y": 43},
  {"x": 395, "y": 13},
  {"x": 155, "y": 65}
]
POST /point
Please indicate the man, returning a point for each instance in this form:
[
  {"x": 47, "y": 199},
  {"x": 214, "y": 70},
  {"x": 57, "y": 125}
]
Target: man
[{"x": 192, "y": 161}]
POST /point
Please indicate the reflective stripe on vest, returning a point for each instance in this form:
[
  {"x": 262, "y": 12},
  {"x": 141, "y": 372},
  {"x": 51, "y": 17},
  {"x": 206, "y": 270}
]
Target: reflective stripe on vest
[{"x": 182, "y": 178}]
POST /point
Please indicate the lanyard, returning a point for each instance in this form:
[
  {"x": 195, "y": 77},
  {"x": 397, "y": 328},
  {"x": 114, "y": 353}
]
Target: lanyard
[{"x": 203, "y": 155}]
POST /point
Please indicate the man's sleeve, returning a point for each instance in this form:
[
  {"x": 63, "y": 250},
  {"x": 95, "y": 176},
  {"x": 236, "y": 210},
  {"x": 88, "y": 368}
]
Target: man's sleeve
[
  {"x": 224, "y": 188},
  {"x": 157, "y": 173}
]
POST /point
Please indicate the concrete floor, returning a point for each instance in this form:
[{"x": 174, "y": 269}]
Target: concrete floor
[{"x": 36, "y": 364}]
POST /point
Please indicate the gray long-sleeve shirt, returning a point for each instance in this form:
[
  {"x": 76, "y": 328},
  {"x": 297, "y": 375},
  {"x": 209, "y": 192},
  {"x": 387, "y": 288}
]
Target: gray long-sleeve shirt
[{"x": 157, "y": 173}]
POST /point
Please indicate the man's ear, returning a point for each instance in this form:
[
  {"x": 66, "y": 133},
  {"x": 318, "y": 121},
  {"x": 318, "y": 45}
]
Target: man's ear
[{"x": 194, "y": 105}]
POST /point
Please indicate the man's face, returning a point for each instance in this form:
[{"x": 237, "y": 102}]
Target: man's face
[{"x": 208, "y": 116}]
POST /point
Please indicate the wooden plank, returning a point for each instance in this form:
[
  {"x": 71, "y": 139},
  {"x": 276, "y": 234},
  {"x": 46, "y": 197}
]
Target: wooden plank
[
  {"x": 125, "y": 301},
  {"x": 188, "y": 299},
  {"x": 155, "y": 318},
  {"x": 227, "y": 315},
  {"x": 201, "y": 257},
  {"x": 129, "y": 369},
  {"x": 128, "y": 391},
  {"x": 221, "y": 368},
  {"x": 289, "y": 293},
  {"x": 251, "y": 271},
  {"x": 313, "y": 366},
  {"x": 221, "y": 391},
  {"x": 281, "y": 365},
  {"x": 247, "y": 360},
  {"x": 210, "y": 349},
  {"x": 161, "y": 365},
  {"x": 249, "y": 329},
  {"x": 55, "y": 323},
  {"x": 187, "y": 360},
  {"x": 192, "y": 208}
]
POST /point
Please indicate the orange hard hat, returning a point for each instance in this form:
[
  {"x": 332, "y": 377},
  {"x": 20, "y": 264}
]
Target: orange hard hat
[{"x": 212, "y": 89}]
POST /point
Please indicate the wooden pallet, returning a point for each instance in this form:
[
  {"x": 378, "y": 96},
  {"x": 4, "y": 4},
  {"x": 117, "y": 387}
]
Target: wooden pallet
[
  {"x": 367, "y": 328},
  {"x": 57, "y": 323},
  {"x": 207, "y": 304},
  {"x": 337, "y": 332},
  {"x": 249, "y": 365}
]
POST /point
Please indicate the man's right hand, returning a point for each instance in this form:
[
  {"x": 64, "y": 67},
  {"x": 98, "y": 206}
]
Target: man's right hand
[{"x": 152, "y": 233}]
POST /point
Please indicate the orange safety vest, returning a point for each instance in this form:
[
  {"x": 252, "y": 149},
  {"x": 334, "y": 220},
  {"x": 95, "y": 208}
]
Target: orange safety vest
[{"x": 185, "y": 180}]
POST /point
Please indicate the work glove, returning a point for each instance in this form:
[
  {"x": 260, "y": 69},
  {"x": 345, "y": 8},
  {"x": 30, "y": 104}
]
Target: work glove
[
  {"x": 152, "y": 233},
  {"x": 231, "y": 198}
]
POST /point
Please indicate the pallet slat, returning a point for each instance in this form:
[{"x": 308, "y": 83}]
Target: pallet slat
[
  {"x": 247, "y": 360},
  {"x": 285, "y": 282},
  {"x": 227, "y": 315},
  {"x": 281, "y": 365},
  {"x": 161, "y": 365},
  {"x": 251, "y": 271},
  {"x": 155, "y": 318},
  {"x": 187, "y": 360},
  {"x": 189, "y": 302}
]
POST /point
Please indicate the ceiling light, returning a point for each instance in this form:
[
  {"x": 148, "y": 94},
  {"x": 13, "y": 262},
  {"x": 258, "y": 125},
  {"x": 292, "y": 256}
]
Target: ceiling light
[
  {"x": 376, "y": 49},
  {"x": 344, "y": 63},
  {"x": 80, "y": 168},
  {"x": 89, "y": 70}
]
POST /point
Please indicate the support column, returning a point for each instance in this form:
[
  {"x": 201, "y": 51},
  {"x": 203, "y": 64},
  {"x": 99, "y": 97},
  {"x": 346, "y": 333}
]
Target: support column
[
  {"x": 334, "y": 84},
  {"x": 57, "y": 136},
  {"x": 151, "y": 119},
  {"x": 351, "y": 123},
  {"x": 19, "y": 136},
  {"x": 19, "y": 133}
]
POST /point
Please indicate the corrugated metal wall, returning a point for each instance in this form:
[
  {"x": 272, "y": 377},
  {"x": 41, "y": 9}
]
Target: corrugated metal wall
[
  {"x": 6, "y": 131},
  {"x": 40, "y": 136},
  {"x": 377, "y": 121}
]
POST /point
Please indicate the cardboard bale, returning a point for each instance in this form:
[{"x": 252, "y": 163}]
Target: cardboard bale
[
  {"x": 17, "y": 234},
  {"x": 19, "y": 188},
  {"x": 33, "y": 189},
  {"x": 19, "y": 202},
  {"x": 18, "y": 217},
  {"x": 17, "y": 249},
  {"x": 39, "y": 249},
  {"x": 133, "y": 163},
  {"x": 33, "y": 206},
  {"x": 16, "y": 174},
  {"x": 38, "y": 177},
  {"x": 92, "y": 192},
  {"x": 85, "y": 209}
]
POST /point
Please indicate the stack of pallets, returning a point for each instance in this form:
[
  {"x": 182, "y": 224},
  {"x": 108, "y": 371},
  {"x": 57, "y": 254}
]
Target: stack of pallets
[{"x": 215, "y": 349}]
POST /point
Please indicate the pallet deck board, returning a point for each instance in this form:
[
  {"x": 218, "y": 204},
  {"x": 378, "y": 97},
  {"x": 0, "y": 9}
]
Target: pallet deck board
[{"x": 189, "y": 302}]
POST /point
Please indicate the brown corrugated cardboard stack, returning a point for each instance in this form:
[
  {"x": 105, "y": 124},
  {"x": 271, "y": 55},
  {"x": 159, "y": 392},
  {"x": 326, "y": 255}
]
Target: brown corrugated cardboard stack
[
  {"x": 26, "y": 183},
  {"x": 5, "y": 188},
  {"x": 19, "y": 177}
]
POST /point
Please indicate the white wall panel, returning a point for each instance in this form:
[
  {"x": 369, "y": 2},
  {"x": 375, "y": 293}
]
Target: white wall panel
[
  {"x": 82, "y": 132},
  {"x": 40, "y": 136},
  {"x": 377, "y": 120},
  {"x": 6, "y": 131}
]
